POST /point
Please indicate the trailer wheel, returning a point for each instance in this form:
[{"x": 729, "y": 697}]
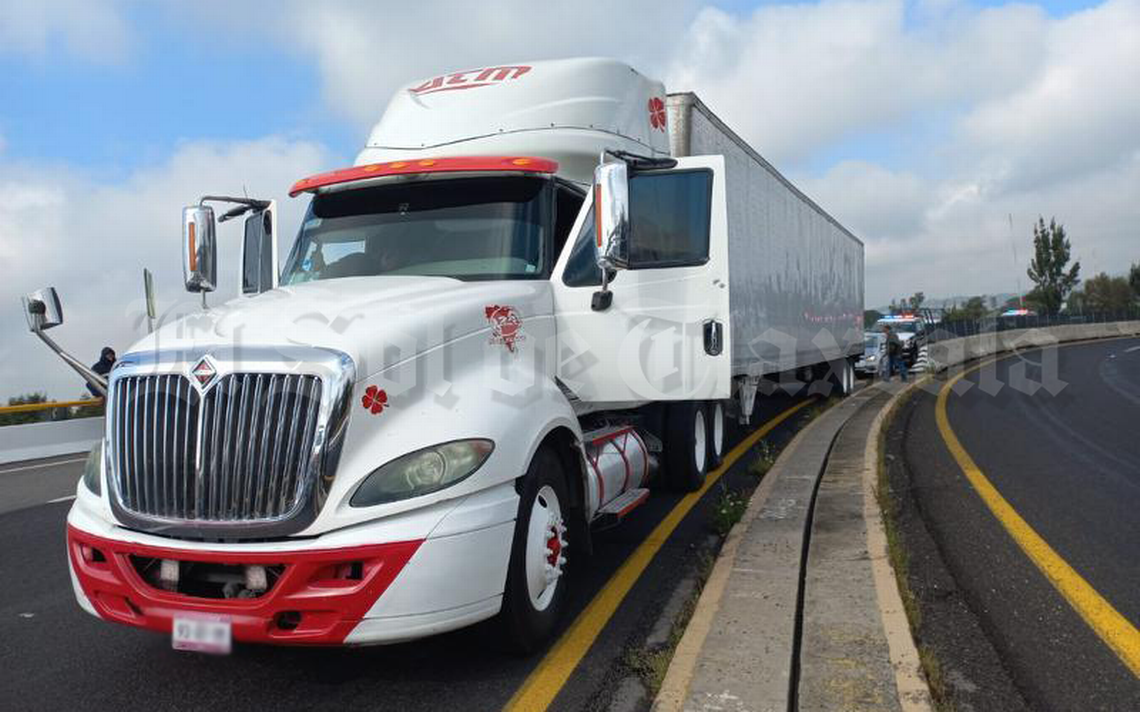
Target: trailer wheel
[
  {"x": 716, "y": 426},
  {"x": 536, "y": 585},
  {"x": 842, "y": 377},
  {"x": 686, "y": 445}
]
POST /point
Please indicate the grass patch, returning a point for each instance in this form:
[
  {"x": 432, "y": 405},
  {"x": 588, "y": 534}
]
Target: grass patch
[
  {"x": 900, "y": 563},
  {"x": 728, "y": 510},
  {"x": 765, "y": 458},
  {"x": 651, "y": 664},
  {"x": 934, "y": 679}
]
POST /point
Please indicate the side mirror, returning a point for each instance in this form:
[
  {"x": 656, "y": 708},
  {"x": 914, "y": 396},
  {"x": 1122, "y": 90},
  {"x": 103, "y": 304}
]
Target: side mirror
[
  {"x": 199, "y": 249},
  {"x": 259, "y": 251},
  {"x": 43, "y": 310},
  {"x": 611, "y": 211}
]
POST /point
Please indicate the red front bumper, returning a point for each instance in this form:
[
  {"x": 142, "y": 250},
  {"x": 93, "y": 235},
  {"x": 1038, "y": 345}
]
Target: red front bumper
[{"x": 308, "y": 604}]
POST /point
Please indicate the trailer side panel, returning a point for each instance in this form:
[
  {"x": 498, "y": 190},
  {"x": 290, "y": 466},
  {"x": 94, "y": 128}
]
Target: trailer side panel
[{"x": 795, "y": 273}]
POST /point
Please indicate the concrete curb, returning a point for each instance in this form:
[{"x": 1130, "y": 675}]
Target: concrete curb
[
  {"x": 757, "y": 555},
  {"x": 847, "y": 659}
]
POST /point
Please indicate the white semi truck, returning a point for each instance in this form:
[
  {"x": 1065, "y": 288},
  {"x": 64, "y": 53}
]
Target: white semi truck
[{"x": 537, "y": 282}]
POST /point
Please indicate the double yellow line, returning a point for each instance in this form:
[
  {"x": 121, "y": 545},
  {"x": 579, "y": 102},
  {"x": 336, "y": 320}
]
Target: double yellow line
[
  {"x": 546, "y": 680},
  {"x": 1114, "y": 629}
]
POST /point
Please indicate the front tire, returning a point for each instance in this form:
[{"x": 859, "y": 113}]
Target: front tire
[
  {"x": 536, "y": 585},
  {"x": 686, "y": 445}
]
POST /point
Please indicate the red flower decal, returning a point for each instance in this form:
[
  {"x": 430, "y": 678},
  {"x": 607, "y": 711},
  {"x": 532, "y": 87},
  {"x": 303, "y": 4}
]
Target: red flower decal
[
  {"x": 657, "y": 113},
  {"x": 374, "y": 400}
]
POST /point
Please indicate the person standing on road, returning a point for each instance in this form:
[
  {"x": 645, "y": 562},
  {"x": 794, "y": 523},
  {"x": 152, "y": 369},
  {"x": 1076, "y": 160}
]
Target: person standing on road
[
  {"x": 894, "y": 355},
  {"x": 102, "y": 367}
]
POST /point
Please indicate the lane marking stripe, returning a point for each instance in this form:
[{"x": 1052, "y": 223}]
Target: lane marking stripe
[
  {"x": 66, "y": 498},
  {"x": 1112, "y": 628},
  {"x": 550, "y": 675},
  {"x": 43, "y": 464}
]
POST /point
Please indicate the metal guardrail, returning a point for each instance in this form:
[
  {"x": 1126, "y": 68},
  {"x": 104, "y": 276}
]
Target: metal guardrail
[{"x": 32, "y": 407}]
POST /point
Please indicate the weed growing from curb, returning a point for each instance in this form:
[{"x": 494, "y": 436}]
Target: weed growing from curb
[
  {"x": 652, "y": 663},
  {"x": 729, "y": 509},
  {"x": 765, "y": 458}
]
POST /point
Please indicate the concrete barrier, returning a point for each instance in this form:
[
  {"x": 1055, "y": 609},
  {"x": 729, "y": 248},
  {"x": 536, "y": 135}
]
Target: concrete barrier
[
  {"x": 35, "y": 440},
  {"x": 951, "y": 352}
]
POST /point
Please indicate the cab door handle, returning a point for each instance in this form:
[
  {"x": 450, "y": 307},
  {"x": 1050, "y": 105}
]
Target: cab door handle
[{"x": 714, "y": 337}]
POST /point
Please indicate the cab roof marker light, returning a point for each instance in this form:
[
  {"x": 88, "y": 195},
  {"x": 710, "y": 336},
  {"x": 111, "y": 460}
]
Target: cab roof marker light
[{"x": 458, "y": 164}]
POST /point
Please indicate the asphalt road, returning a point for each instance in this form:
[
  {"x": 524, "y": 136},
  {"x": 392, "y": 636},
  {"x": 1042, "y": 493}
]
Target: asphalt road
[
  {"x": 1069, "y": 463},
  {"x": 25, "y": 484},
  {"x": 54, "y": 656}
]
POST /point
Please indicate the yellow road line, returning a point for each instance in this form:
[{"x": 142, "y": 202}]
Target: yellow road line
[
  {"x": 547, "y": 679},
  {"x": 1114, "y": 629}
]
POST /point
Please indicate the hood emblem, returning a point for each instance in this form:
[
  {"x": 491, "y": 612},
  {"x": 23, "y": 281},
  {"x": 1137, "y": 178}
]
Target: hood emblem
[{"x": 204, "y": 372}]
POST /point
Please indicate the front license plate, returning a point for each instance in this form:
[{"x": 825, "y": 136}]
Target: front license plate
[{"x": 202, "y": 634}]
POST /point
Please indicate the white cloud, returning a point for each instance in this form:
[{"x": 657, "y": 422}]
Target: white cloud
[
  {"x": 949, "y": 237},
  {"x": 1031, "y": 115},
  {"x": 364, "y": 53},
  {"x": 1079, "y": 112},
  {"x": 795, "y": 78},
  {"x": 92, "y": 29},
  {"x": 91, "y": 241},
  {"x": 976, "y": 114}
]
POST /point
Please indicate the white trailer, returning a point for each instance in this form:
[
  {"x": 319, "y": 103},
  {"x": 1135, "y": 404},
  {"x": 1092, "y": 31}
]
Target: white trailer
[
  {"x": 795, "y": 273},
  {"x": 479, "y": 347}
]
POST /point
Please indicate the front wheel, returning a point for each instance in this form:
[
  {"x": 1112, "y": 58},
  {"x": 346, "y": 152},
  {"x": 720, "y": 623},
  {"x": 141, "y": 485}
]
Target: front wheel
[{"x": 535, "y": 591}]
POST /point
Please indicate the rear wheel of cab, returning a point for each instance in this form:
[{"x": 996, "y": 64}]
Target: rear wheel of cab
[{"x": 686, "y": 445}]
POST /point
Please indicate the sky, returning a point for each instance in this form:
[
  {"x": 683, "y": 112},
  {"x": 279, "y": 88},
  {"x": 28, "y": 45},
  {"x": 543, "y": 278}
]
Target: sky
[{"x": 937, "y": 130}]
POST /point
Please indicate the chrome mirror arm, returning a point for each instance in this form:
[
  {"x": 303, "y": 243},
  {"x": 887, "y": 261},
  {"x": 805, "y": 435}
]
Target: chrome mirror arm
[{"x": 97, "y": 382}]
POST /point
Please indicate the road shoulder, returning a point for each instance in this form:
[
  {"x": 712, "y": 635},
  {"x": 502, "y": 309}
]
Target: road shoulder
[{"x": 742, "y": 647}]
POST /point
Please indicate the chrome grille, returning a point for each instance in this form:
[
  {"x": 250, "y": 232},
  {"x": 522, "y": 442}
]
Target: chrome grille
[{"x": 242, "y": 452}]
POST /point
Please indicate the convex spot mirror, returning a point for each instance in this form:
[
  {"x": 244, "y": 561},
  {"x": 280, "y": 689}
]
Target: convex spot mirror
[
  {"x": 199, "y": 249},
  {"x": 43, "y": 310}
]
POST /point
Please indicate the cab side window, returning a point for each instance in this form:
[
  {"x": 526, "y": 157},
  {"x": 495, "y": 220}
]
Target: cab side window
[
  {"x": 582, "y": 267},
  {"x": 669, "y": 226},
  {"x": 669, "y": 219}
]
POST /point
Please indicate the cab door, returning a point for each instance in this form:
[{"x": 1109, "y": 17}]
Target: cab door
[{"x": 666, "y": 334}]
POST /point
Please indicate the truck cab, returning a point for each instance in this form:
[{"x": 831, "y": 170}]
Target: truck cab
[
  {"x": 425, "y": 393},
  {"x": 489, "y": 336}
]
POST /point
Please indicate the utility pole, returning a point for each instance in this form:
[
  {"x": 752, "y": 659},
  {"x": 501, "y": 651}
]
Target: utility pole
[{"x": 1016, "y": 264}]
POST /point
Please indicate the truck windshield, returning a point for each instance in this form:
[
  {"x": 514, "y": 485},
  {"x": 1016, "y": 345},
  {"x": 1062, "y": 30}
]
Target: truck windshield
[{"x": 466, "y": 228}]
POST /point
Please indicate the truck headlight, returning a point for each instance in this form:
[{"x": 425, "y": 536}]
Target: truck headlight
[
  {"x": 92, "y": 469},
  {"x": 422, "y": 472}
]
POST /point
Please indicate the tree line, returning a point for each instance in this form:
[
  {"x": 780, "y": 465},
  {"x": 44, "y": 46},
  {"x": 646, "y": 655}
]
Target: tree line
[
  {"x": 1057, "y": 285},
  {"x": 38, "y": 416}
]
